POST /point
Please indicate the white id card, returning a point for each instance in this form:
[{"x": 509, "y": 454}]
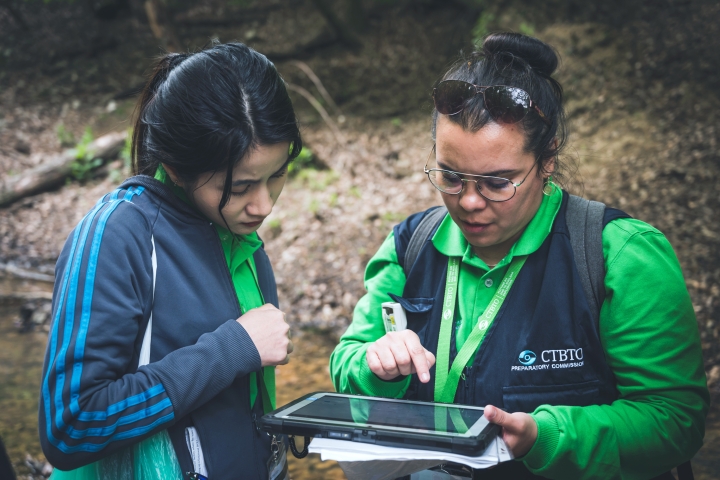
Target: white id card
[{"x": 393, "y": 316}]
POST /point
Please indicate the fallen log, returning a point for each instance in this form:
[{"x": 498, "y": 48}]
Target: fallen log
[
  {"x": 11, "y": 298},
  {"x": 18, "y": 272},
  {"x": 53, "y": 172}
]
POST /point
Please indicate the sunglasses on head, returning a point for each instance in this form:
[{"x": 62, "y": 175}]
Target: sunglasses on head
[{"x": 504, "y": 104}]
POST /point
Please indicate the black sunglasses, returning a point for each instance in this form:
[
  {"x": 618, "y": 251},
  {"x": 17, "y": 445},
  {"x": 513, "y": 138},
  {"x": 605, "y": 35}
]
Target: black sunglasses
[{"x": 504, "y": 104}]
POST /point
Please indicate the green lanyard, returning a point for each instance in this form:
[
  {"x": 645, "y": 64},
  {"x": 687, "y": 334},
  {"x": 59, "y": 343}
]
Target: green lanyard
[{"x": 446, "y": 383}]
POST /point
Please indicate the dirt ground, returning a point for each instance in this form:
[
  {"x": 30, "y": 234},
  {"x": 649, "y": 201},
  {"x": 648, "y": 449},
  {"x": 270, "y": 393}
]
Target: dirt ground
[{"x": 641, "y": 82}]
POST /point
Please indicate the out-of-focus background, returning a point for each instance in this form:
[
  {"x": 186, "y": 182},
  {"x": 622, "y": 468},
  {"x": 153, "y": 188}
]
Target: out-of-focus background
[{"x": 641, "y": 79}]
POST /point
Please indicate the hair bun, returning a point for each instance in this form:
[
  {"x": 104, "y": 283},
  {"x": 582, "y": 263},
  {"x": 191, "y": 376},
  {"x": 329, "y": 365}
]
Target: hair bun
[{"x": 538, "y": 54}]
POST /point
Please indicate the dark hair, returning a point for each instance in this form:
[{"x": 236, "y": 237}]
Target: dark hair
[
  {"x": 202, "y": 112},
  {"x": 519, "y": 61}
]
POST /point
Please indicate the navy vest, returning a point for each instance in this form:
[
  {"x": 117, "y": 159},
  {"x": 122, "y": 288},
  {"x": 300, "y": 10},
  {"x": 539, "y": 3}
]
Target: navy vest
[{"x": 542, "y": 348}]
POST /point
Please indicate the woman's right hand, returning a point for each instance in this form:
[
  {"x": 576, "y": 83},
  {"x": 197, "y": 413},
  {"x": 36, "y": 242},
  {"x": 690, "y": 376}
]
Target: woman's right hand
[
  {"x": 399, "y": 353},
  {"x": 269, "y": 332}
]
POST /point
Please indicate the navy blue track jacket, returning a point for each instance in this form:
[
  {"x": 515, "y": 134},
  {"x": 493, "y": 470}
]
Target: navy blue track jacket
[{"x": 94, "y": 400}]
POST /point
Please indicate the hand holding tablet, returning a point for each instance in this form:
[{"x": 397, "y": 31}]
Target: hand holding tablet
[{"x": 519, "y": 430}]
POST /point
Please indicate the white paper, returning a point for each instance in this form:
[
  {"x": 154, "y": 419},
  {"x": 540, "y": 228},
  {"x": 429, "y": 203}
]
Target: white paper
[
  {"x": 504, "y": 452},
  {"x": 196, "y": 453},
  {"x": 346, "y": 451}
]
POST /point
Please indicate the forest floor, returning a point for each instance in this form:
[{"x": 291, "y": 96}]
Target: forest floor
[{"x": 641, "y": 85}]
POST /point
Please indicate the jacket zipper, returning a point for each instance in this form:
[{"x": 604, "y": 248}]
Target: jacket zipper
[{"x": 239, "y": 313}]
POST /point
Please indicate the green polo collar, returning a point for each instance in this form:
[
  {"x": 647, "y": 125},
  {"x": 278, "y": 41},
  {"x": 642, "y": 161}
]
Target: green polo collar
[
  {"x": 161, "y": 175},
  {"x": 450, "y": 241}
]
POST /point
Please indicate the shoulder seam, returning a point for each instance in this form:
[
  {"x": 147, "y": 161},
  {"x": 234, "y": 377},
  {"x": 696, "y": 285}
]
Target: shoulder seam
[{"x": 632, "y": 236}]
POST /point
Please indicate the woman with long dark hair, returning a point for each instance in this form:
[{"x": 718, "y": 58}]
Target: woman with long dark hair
[
  {"x": 166, "y": 327},
  {"x": 571, "y": 317}
]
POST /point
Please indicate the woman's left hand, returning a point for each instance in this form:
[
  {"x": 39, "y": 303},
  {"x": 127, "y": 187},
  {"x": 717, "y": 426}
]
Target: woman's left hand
[{"x": 519, "y": 430}]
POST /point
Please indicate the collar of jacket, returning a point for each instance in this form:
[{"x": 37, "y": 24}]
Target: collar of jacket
[{"x": 166, "y": 194}]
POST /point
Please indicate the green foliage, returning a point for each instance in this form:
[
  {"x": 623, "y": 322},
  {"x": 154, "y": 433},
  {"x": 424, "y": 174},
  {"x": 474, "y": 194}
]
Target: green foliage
[
  {"x": 67, "y": 139},
  {"x": 85, "y": 161},
  {"x": 306, "y": 160},
  {"x": 482, "y": 27},
  {"x": 317, "y": 180},
  {"x": 302, "y": 161},
  {"x": 527, "y": 29},
  {"x": 310, "y": 170},
  {"x": 314, "y": 206},
  {"x": 396, "y": 122},
  {"x": 355, "y": 192}
]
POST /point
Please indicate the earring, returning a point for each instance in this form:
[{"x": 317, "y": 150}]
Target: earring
[{"x": 549, "y": 186}]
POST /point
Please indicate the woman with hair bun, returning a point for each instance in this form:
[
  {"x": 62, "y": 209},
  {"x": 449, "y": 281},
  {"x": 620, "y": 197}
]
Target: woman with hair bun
[
  {"x": 569, "y": 320},
  {"x": 166, "y": 328}
]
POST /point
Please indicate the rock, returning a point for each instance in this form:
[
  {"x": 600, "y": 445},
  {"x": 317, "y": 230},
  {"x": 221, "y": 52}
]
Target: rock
[
  {"x": 38, "y": 467},
  {"x": 23, "y": 147},
  {"x": 34, "y": 314}
]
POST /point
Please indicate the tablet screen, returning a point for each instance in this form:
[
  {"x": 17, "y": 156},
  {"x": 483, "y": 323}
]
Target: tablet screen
[{"x": 420, "y": 416}]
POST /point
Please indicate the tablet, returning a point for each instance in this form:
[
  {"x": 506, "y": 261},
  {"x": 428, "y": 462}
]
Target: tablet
[{"x": 460, "y": 429}]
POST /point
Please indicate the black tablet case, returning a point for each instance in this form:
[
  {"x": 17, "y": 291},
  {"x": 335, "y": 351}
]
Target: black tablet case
[{"x": 472, "y": 446}]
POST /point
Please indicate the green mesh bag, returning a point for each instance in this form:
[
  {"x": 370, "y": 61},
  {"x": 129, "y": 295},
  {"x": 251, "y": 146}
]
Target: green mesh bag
[{"x": 152, "y": 459}]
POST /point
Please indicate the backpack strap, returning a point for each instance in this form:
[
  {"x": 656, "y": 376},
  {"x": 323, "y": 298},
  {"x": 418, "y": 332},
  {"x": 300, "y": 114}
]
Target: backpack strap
[
  {"x": 422, "y": 233},
  {"x": 585, "y": 222}
]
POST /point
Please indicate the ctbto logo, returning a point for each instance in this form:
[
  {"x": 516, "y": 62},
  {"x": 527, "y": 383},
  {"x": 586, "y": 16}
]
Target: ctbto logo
[
  {"x": 527, "y": 357},
  {"x": 550, "y": 359},
  {"x": 571, "y": 354}
]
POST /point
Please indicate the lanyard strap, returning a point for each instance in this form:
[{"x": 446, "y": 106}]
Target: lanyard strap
[
  {"x": 263, "y": 391},
  {"x": 446, "y": 383}
]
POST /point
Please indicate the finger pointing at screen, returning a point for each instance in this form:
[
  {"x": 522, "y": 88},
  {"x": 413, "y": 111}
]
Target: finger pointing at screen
[{"x": 399, "y": 353}]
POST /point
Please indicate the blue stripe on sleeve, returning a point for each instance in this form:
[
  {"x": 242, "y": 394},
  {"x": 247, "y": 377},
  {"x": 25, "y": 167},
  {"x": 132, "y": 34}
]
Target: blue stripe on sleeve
[
  {"x": 96, "y": 447},
  {"x": 88, "y": 289},
  {"x": 109, "y": 430},
  {"x": 69, "y": 322},
  {"x": 87, "y": 220},
  {"x": 53, "y": 335},
  {"x": 76, "y": 256},
  {"x": 122, "y": 405}
]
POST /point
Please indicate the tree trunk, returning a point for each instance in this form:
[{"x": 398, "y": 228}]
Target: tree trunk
[
  {"x": 160, "y": 25},
  {"x": 54, "y": 172}
]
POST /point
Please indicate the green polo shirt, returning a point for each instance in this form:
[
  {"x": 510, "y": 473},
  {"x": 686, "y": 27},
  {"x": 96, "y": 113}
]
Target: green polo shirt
[
  {"x": 477, "y": 283},
  {"x": 648, "y": 331},
  {"x": 238, "y": 250}
]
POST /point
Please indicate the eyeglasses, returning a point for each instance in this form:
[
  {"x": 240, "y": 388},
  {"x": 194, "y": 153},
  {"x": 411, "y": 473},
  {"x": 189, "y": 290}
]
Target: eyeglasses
[
  {"x": 504, "y": 104},
  {"x": 495, "y": 189}
]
